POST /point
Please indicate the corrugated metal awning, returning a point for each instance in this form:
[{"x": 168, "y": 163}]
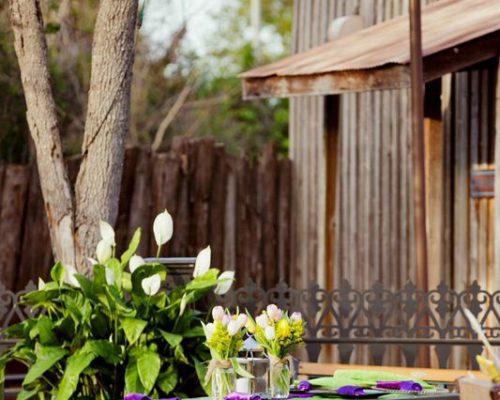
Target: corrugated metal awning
[{"x": 455, "y": 35}]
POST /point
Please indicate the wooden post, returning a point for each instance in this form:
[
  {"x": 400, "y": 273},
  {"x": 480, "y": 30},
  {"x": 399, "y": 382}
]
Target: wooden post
[
  {"x": 496, "y": 270},
  {"x": 418, "y": 157}
]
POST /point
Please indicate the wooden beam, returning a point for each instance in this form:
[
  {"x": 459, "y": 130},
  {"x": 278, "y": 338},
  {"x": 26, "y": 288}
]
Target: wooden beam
[
  {"x": 496, "y": 270},
  {"x": 482, "y": 183},
  {"x": 389, "y": 76}
]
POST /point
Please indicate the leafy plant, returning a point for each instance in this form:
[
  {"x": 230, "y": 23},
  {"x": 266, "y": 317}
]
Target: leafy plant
[{"x": 116, "y": 332}]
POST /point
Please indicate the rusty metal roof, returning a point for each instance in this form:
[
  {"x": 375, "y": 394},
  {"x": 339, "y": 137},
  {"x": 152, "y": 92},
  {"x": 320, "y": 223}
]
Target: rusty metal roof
[{"x": 445, "y": 24}]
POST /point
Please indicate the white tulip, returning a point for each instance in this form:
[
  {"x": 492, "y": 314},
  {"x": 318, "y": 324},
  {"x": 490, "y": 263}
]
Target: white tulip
[
  {"x": 274, "y": 312},
  {"x": 226, "y": 319},
  {"x": 233, "y": 327},
  {"x": 262, "y": 320},
  {"x": 107, "y": 232},
  {"x": 104, "y": 251},
  {"x": 41, "y": 284},
  {"x": 163, "y": 228},
  {"x": 209, "y": 330},
  {"x": 242, "y": 320},
  {"x": 135, "y": 262},
  {"x": 110, "y": 276},
  {"x": 202, "y": 264},
  {"x": 70, "y": 277},
  {"x": 217, "y": 313},
  {"x": 183, "y": 304},
  {"x": 270, "y": 332},
  {"x": 296, "y": 316},
  {"x": 225, "y": 282},
  {"x": 151, "y": 285}
]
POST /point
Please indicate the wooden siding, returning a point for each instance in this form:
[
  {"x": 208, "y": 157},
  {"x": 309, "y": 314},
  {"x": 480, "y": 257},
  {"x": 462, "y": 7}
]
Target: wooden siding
[{"x": 373, "y": 220}]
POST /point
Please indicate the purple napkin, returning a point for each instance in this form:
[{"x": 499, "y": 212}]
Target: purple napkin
[
  {"x": 407, "y": 386},
  {"x": 304, "y": 386},
  {"x": 140, "y": 396},
  {"x": 242, "y": 396},
  {"x": 349, "y": 390}
]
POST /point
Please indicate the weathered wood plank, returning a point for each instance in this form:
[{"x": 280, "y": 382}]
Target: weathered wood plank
[{"x": 12, "y": 210}]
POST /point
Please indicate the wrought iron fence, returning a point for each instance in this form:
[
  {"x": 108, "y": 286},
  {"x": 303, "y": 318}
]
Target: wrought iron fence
[{"x": 378, "y": 317}]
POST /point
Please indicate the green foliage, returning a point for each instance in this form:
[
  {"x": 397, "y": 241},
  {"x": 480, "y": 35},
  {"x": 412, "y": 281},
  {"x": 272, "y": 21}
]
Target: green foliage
[{"x": 105, "y": 337}]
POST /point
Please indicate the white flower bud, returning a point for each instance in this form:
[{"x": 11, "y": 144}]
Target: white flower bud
[
  {"x": 217, "y": 313},
  {"x": 233, "y": 327},
  {"x": 202, "y": 264},
  {"x": 151, "y": 285},
  {"x": 262, "y": 320},
  {"x": 163, "y": 228},
  {"x": 135, "y": 262},
  {"x": 270, "y": 332}
]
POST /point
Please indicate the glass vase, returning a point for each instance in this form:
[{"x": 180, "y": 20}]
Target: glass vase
[
  {"x": 223, "y": 382},
  {"x": 279, "y": 380}
]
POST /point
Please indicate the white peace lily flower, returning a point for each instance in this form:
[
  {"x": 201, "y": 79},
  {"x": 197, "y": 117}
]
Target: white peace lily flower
[
  {"x": 151, "y": 285},
  {"x": 41, "y": 284},
  {"x": 242, "y": 320},
  {"x": 107, "y": 232},
  {"x": 92, "y": 261},
  {"x": 270, "y": 332},
  {"x": 70, "y": 277},
  {"x": 217, "y": 313},
  {"x": 135, "y": 262},
  {"x": 163, "y": 228},
  {"x": 104, "y": 251},
  {"x": 183, "y": 304},
  {"x": 233, "y": 327},
  {"x": 202, "y": 264},
  {"x": 262, "y": 320},
  {"x": 225, "y": 282},
  {"x": 110, "y": 276},
  {"x": 274, "y": 312},
  {"x": 209, "y": 330}
]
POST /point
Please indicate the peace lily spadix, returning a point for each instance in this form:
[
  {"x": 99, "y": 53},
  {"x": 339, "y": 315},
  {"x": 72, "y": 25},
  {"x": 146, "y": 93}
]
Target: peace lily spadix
[{"x": 120, "y": 330}]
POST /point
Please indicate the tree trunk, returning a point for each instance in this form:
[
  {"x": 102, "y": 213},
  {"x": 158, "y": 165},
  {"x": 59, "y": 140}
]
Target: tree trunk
[
  {"x": 73, "y": 221},
  {"x": 31, "y": 50},
  {"x": 99, "y": 178}
]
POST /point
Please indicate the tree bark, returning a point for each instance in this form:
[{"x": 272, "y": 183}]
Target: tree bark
[
  {"x": 99, "y": 178},
  {"x": 74, "y": 220},
  {"x": 31, "y": 50}
]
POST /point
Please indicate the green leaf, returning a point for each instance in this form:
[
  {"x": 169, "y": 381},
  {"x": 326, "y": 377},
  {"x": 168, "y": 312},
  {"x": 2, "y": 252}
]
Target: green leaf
[
  {"x": 114, "y": 265},
  {"x": 239, "y": 369},
  {"x": 132, "y": 381},
  {"x": 133, "y": 328},
  {"x": 197, "y": 331},
  {"x": 45, "y": 331},
  {"x": 132, "y": 247},
  {"x": 57, "y": 273},
  {"x": 46, "y": 358},
  {"x": 205, "y": 281},
  {"x": 27, "y": 394},
  {"x": 180, "y": 356},
  {"x": 86, "y": 286},
  {"x": 173, "y": 339},
  {"x": 75, "y": 366},
  {"x": 104, "y": 349},
  {"x": 167, "y": 381},
  {"x": 201, "y": 371},
  {"x": 148, "y": 366}
]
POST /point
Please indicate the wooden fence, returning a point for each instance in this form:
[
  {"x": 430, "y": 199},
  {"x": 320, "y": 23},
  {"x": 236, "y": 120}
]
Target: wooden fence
[{"x": 237, "y": 204}]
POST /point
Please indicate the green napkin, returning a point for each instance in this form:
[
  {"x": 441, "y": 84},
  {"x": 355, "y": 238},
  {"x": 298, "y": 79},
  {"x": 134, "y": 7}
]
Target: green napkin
[{"x": 363, "y": 378}]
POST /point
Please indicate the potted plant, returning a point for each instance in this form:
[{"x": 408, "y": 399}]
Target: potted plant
[{"x": 117, "y": 331}]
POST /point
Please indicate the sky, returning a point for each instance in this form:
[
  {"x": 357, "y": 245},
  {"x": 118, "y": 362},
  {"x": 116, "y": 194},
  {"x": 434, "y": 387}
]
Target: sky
[{"x": 163, "y": 17}]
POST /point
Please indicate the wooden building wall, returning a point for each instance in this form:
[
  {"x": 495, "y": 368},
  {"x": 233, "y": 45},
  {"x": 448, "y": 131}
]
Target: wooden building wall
[{"x": 369, "y": 236}]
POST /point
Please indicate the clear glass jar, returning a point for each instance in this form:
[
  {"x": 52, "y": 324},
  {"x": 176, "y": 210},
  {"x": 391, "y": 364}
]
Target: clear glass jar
[
  {"x": 223, "y": 381},
  {"x": 258, "y": 367},
  {"x": 279, "y": 380}
]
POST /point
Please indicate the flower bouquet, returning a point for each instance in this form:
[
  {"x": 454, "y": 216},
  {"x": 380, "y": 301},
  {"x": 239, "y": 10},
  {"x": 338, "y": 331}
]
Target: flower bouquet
[
  {"x": 278, "y": 333},
  {"x": 224, "y": 339}
]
